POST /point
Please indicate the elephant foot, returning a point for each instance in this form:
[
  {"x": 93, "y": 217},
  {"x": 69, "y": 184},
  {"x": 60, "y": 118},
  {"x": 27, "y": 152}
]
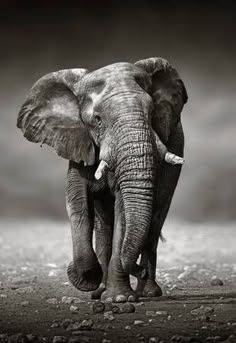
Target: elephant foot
[
  {"x": 119, "y": 294},
  {"x": 148, "y": 289},
  {"x": 85, "y": 280},
  {"x": 98, "y": 292}
]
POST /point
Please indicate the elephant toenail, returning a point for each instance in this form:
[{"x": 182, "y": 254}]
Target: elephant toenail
[{"x": 121, "y": 298}]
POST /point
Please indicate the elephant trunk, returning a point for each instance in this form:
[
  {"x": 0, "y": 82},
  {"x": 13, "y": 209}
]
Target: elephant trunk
[{"x": 135, "y": 169}]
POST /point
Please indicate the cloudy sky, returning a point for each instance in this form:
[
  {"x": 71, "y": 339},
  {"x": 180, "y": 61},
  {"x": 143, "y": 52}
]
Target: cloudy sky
[{"x": 199, "y": 40}]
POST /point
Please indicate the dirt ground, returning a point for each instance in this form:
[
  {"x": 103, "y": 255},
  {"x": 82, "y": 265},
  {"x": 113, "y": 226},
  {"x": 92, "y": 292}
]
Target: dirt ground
[{"x": 35, "y": 296}]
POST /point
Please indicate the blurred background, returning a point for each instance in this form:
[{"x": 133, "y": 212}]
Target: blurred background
[{"x": 197, "y": 37}]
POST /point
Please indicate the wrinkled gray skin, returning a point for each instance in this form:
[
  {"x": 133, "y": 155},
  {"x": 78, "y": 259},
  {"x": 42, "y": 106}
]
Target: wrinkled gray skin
[{"x": 120, "y": 114}]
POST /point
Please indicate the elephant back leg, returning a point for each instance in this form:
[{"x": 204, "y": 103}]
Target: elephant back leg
[{"x": 103, "y": 229}]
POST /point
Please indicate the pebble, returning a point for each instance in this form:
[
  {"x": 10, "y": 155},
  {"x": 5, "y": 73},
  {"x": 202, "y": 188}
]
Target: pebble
[
  {"x": 138, "y": 322},
  {"x": 66, "y": 322},
  {"x": 74, "y": 309},
  {"x": 154, "y": 340},
  {"x": 60, "y": 339},
  {"x": 202, "y": 310},
  {"x": 71, "y": 300},
  {"x": 127, "y": 308},
  {"x": 183, "y": 339},
  {"x": 86, "y": 324},
  {"x": 216, "y": 281},
  {"x": 161, "y": 313},
  {"x": 31, "y": 337},
  {"x": 25, "y": 290},
  {"x": 53, "y": 301},
  {"x": 151, "y": 313},
  {"x": 109, "y": 315},
  {"x": 98, "y": 307},
  {"x": 127, "y": 327},
  {"x": 24, "y": 303}
]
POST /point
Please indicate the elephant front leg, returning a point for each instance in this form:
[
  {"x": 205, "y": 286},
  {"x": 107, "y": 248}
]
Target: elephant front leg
[
  {"x": 84, "y": 272},
  {"x": 118, "y": 287},
  {"x": 149, "y": 287}
]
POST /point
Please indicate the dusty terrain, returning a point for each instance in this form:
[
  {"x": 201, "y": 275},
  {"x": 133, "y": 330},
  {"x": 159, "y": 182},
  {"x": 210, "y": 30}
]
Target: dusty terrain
[{"x": 192, "y": 265}]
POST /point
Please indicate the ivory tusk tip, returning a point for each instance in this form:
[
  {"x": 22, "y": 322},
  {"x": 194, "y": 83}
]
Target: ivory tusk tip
[
  {"x": 98, "y": 175},
  {"x": 173, "y": 159}
]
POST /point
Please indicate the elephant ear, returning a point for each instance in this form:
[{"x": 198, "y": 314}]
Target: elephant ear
[
  {"x": 51, "y": 115},
  {"x": 168, "y": 93}
]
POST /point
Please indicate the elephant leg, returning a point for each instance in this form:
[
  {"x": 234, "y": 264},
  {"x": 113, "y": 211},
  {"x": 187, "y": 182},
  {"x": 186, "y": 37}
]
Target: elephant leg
[
  {"x": 84, "y": 272},
  {"x": 149, "y": 287},
  {"x": 118, "y": 287},
  {"x": 103, "y": 227},
  {"x": 168, "y": 179}
]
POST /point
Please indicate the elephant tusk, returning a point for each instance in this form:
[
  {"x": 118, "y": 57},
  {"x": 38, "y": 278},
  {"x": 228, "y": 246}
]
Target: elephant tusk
[
  {"x": 100, "y": 170},
  {"x": 173, "y": 159}
]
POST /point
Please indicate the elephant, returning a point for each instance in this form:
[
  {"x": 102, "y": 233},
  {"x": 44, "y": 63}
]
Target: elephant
[{"x": 120, "y": 128}]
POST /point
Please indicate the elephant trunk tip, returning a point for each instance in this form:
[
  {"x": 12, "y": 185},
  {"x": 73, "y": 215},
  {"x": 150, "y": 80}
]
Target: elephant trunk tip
[{"x": 134, "y": 269}]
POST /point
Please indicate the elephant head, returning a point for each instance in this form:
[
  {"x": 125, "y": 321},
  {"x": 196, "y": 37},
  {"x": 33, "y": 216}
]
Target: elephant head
[{"x": 114, "y": 115}]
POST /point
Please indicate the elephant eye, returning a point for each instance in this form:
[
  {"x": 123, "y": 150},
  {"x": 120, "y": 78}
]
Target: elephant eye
[{"x": 98, "y": 120}]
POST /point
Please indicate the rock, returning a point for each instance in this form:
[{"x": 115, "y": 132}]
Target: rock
[
  {"x": 98, "y": 307},
  {"x": 116, "y": 309},
  {"x": 169, "y": 317},
  {"x": 127, "y": 327},
  {"x": 24, "y": 303},
  {"x": 3, "y": 295},
  {"x": 60, "y": 339},
  {"x": 154, "y": 340},
  {"x": 105, "y": 340},
  {"x": 79, "y": 339},
  {"x": 1, "y": 286},
  {"x": 52, "y": 301},
  {"x": 66, "y": 322},
  {"x": 127, "y": 308},
  {"x": 25, "y": 290},
  {"x": 216, "y": 281},
  {"x": 183, "y": 339},
  {"x": 86, "y": 324},
  {"x": 151, "y": 313},
  {"x": 109, "y": 315},
  {"x": 139, "y": 322},
  {"x": 202, "y": 310},
  {"x": 73, "y": 326},
  {"x": 18, "y": 281},
  {"x": 74, "y": 309},
  {"x": 140, "y": 304},
  {"x": 71, "y": 300},
  {"x": 161, "y": 313}
]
